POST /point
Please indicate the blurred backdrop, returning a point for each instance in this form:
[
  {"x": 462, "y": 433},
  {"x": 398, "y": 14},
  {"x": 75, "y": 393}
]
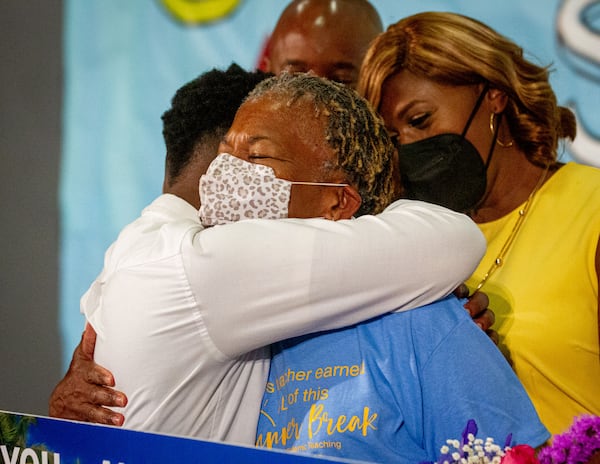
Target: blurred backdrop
[{"x": 83, "y": 86}]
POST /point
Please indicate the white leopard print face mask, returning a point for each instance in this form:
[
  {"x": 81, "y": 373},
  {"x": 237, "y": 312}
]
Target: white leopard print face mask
[{"x": 234, "y": 189}]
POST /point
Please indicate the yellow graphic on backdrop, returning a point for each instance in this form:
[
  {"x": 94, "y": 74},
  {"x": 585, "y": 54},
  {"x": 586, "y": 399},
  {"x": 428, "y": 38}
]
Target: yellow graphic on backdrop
[{"x": 200, "y": 11}]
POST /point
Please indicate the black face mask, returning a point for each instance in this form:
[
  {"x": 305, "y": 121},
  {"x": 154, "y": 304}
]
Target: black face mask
[{"x": 445, "y": 169}]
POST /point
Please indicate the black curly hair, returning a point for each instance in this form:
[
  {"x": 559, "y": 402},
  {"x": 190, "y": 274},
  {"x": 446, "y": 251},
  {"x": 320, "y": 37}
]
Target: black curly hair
[{"x": 204, "y": 108}]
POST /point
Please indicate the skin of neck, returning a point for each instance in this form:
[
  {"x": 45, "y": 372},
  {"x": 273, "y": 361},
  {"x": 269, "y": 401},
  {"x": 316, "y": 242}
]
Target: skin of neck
[
  {"x": 511, "y": 178},
  {"x": 185, "y": 185}
]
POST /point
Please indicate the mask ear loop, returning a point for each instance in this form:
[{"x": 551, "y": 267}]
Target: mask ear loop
[
  {"x": 475, "y": 109},
  {"x": 493, "y": 145},
  {"x": 472, "y": 115}
]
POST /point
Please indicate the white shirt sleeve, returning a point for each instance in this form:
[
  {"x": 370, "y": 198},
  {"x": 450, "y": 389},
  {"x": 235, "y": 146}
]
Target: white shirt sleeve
[{"x": 260, "y": 281}]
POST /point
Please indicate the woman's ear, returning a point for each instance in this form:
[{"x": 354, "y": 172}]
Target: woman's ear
[
  {"x": 497, "y": 100},
  {"x": 348, "y": 203}
]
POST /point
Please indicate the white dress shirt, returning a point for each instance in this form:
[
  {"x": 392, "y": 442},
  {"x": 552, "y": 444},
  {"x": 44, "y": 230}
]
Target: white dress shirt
[{"x": 184, "y": 315}]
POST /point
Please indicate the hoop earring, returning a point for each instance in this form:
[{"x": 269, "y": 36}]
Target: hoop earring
[{"x": 493, "y": 130}]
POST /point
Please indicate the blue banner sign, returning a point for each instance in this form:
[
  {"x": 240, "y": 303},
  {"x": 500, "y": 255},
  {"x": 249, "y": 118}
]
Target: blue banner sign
[{"x": 26, "y": 439}]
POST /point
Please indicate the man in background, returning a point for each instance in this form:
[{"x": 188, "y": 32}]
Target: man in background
[{"x": 329, "y": 38}]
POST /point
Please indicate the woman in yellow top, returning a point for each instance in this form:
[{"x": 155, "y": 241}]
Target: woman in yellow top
[{"x": 478, "y": 128}]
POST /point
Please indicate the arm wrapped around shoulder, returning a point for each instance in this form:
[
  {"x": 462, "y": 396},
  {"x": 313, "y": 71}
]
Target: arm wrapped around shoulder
[{"x": 290, "y": 277}]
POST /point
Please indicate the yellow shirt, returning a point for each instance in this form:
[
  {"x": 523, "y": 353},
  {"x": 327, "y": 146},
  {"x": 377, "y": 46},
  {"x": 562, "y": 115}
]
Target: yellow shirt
[{"x": 545, "y": 295}]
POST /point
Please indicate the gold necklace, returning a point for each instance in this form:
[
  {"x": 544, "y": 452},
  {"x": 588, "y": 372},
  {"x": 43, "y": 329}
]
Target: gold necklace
[{"x": 499, "y": 261}]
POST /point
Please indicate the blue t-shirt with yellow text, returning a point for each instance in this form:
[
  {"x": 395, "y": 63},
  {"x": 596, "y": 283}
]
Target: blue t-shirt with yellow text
[{"x": 394, "y": 389}]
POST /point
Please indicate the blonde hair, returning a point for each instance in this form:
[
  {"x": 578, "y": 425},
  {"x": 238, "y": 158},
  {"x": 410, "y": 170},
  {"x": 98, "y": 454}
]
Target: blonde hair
[{"x": 452, "y": 49}]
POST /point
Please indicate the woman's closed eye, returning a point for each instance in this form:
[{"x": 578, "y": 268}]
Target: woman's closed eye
[
  {"x": 258, "y": 156},
  {"x": 420, "y": 121},
  {"x": 254, "y": 157}
]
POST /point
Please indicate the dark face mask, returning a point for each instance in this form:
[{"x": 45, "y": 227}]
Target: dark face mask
[{"x": 445, "y": 169}]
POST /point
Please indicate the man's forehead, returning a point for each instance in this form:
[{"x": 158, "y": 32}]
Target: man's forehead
[
  {"x": 339, "y": 46},
  {"x": 325, "y": 13}
]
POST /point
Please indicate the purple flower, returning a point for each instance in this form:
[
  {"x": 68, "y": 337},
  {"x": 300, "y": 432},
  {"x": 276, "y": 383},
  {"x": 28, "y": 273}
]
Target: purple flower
[
  {"x": 576, "y": 445},
  {"x": 471, "y": 428}
]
